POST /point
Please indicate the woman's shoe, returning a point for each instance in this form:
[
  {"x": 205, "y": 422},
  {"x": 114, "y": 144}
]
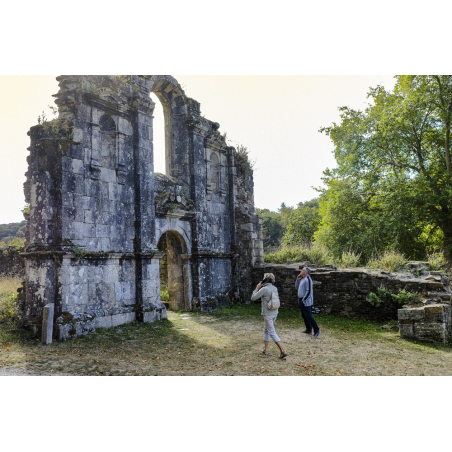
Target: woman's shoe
[
  {"x": 265, "y": 353},
  {"x": 283, "y": 355}
]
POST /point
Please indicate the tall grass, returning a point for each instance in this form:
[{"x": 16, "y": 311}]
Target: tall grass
[
  {"x": 316, "y": 254},
  {"x": 10, "y": 316},
  {"x": 349, "y": 259},
  {"x": 9, "y": 285},
  {"x": 390, "y": 261},
  {"x": 436, "y": 261}
]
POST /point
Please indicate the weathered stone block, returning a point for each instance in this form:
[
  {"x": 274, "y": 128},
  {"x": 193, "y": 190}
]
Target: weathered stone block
[
  {"x": 434, "y": 309},
  {"x": 120, "y": 319},
  {"x": 406, "y": 330},
  {"x": 47, "y": 323},
  {"x": 414, "y": 314}
]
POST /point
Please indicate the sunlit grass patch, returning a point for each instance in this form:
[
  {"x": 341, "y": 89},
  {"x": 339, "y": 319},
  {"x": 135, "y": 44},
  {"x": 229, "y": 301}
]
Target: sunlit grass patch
[{"x": 229, "y": 342}]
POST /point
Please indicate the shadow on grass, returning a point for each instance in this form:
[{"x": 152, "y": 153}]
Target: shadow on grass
[{"x": 217, "y": 343}]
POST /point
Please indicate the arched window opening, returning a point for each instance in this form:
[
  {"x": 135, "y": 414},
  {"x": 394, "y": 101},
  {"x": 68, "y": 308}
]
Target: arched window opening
[
  {"x": 159, "y": 136},
  {"x": 107, "y": 124},
  {"x": 214, "y": 172}
]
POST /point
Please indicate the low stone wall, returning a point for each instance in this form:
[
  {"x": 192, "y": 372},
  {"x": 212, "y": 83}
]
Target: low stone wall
[
  {"x": 343, "y": 292},
  {"x": 12, "y": 263},
  {"x": 429, "y": 322}
]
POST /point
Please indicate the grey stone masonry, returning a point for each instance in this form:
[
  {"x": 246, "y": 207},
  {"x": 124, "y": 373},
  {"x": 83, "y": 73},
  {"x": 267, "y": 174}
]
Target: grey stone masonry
[{"x": 101, "y": 220}]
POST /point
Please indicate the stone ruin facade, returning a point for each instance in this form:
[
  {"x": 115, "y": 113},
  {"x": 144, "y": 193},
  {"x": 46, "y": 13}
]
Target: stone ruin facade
[{"x": 105, "y": 231}]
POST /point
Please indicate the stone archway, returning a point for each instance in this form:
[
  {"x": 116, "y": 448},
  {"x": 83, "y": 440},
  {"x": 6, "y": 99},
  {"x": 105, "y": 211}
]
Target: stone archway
[{"x": 175, "y": 270}]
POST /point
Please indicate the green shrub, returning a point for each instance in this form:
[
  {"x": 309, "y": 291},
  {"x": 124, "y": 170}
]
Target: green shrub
[
  {"x": 374, "y": 300},
  {"x": 390, "y": 261},
  {"x": 384, "y": 297},
  {"x": 9, "y": 310},
  {"x": 317, "y": 254},
  {"x": 405, "y": 297},
  {"x": 349, "y": 259},
  {"x": 436, "y": 261},
  {"x": 164, "y": 294}
]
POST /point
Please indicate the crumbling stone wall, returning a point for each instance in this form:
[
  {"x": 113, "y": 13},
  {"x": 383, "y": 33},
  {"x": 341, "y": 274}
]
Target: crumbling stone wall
[
  {"x": 343, "y": 292},
  {"x": 12, "y": 263},
  {"x": 100, "y": 218}
]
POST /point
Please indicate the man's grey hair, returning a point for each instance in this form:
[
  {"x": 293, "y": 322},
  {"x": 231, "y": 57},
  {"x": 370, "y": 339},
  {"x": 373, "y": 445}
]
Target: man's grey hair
[{"x": 307, "y": 270}]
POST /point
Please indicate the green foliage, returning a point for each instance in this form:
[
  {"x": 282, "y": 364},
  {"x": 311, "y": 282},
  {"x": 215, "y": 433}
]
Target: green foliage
[
  {"x": 385, "y": 297},
  {"x": 315, "y": 253},
  {"x": 272, "y": 229},
  {"x": 80, "y": 253},
  {"x": 12, "y": 235},
  {"x": 56, "y": 128},
  {"x": 436, "y": 261},
  {"x": 405, "y": 297},
  {"x": 164, "y": 294},
  {"x": 390, "y": 261},
  {"x": 285, "y": 212},
  {"x": 302, "y": 223},
  {"x": 12, "y": 229},
  {"x": 349, "y": 259},
  {"x": 392, "y": 187},
  {"x": 9, "y": 311},
  {"x": 374, "y": 300},
  {"x": 11, "y": 321},
  {"x": 243, "y": 161}
]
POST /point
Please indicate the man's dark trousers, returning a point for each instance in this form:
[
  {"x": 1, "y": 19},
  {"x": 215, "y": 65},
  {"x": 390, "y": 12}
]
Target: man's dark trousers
[{"x": 309, "y": 320}]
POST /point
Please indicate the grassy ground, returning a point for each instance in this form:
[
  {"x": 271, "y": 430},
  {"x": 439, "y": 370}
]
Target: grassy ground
[{"x": 229, "y": 342}]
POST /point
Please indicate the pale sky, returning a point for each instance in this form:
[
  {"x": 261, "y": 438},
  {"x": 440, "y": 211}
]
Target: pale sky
[{"x": 276, "y": 117}]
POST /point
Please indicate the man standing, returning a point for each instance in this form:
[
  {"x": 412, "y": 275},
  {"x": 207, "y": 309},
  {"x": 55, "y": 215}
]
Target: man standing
[{"x": 305, "y": 301}]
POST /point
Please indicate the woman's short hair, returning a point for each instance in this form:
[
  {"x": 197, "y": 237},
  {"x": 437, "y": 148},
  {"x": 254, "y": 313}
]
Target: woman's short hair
[{"x": 270, "y": 277}]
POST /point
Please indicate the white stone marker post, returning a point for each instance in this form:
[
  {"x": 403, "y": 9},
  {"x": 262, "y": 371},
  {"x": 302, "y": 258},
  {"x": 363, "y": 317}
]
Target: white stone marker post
[{"x": 47, "y": 323}]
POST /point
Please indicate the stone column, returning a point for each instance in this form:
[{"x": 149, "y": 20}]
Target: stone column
[
  {"x": 43, "y": 191},
  {"x": 197, "y": 130},
  {"x": 188, "y": 284},
  {"x": 144, "y": 241}
]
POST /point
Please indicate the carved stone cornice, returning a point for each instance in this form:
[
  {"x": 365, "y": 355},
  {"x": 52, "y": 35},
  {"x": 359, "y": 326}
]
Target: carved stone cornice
[{"x": 197, "y": 125}]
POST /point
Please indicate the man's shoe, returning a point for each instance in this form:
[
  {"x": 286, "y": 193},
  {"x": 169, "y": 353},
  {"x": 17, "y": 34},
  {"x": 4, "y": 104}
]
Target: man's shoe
[
  {"x": 316, "y": 335},
  {"x": 307, "y": 332}
]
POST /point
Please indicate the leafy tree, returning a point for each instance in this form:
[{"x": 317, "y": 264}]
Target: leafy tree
[
  {"x": 273, "y": 229},
  {"x": 302, "y": 223},
  {"x": 12, "y": 234},
  {"x": 11, "y": 229},
  {"x": 394, "y": 165},
  {"x": 285, "y": 212}
]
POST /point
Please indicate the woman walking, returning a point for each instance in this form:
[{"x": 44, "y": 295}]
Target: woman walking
[{"x": 264, "y": 291}]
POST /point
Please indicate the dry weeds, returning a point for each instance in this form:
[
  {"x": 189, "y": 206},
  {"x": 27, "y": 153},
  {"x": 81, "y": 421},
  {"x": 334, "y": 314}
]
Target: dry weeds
[
  {"x": 229, "y": 342},
  {"x": 9, "y": 285}
]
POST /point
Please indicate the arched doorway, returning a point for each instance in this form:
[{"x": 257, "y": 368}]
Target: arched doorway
[{"x": 175, "y": 270}]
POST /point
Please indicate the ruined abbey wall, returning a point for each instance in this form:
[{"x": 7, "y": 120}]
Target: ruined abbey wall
[{"x": 101, "y": 219}]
